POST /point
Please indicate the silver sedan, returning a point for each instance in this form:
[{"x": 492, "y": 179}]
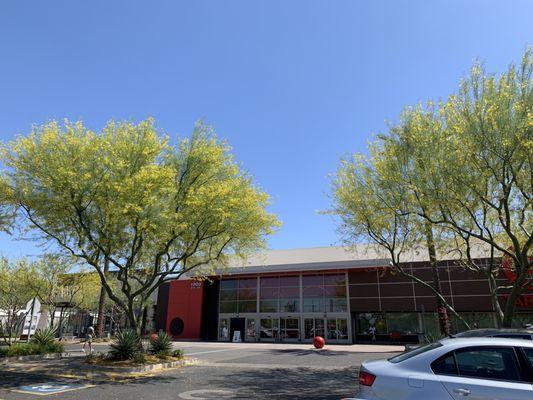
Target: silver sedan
[{"x": 459, "y": 368}]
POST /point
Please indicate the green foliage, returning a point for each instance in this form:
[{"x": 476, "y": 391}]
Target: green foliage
[
  {"x": 139, "y": 358},
  {"x": 125, "y": 196},
  {"x": 460, "y": 169},
  {"x": 15, "y": 293},
  {"x": 54, "y": 283},
  {"x": 27, "y": 349},
  {"x": 161, "y": 345},
  {"x": 178, "y": 353},
  {"x": 432, "y": 337},
  {"x": 126, "y": 346},
  {"x": 45, "y": 336}
]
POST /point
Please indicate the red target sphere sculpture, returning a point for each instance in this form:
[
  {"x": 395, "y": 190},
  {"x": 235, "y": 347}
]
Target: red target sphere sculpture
[{"x": 318, "y": 342}]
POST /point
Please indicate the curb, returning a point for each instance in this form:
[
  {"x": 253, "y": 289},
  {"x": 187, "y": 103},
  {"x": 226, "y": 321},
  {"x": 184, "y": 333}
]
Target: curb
[
  {"x": 140, "y": 368},
  {"x": 34, "y": 357}
]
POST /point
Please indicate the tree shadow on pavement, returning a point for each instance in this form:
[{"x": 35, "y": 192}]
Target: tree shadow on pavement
[{"x": 295, "y": 383}]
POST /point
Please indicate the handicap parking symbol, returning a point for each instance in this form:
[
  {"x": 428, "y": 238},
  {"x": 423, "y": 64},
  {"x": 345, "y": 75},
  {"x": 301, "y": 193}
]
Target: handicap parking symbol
[{"x": 49, "y": 388}]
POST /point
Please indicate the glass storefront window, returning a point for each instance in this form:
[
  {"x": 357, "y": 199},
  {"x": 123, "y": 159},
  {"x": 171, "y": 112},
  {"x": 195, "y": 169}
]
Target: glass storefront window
[
  {"x": 290, "y": 328},
  {"x": 230, "y": 307},
  {"x": 366, "y": 320},
  {"x": 250, "y": 329},
  {"x": 314, "y": 304},
  {"x": 430, "y": 325},
  {"x": 336, "y": 305},
  {"x": 288, "y": 305},
  {"x": 313, "y": 327},
  {"x": 332, "y": 329},
  {"x": 405, "y": 323},
  {"x": 248, "y": 306},
  {"x": 342, "y": 329},
  {"x": 521, "y": 319},
  {"x": 479, "y": 319},
  {"x": 269, "y": 328},
  {"x": 280, "y": 294},
  {"x": 238, "y": 295},
  {"x": 223, "y": 329},
  {"x": 268, "y": 306},
  {"x": 324, "y": 293}
]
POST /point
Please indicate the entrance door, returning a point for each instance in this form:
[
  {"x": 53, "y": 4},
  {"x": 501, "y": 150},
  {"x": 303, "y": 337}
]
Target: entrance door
[
  {"x": 337, "y": 329},
  {"x": 313, "y": 327},
  {"x": 290, "y": 329},
  {"x": 269, "y": 329},
  {"x": 251, "y": 330},
  {"x": 237, "y": 324}
]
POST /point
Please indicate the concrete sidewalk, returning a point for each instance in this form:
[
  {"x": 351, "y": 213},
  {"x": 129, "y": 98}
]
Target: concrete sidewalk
[{"x": 351, "y": 348}]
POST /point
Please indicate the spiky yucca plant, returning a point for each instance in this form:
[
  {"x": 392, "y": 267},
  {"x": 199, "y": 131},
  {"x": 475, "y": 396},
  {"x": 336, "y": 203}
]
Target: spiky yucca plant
[
  {"x": 161, "y": 344},
  {"x": 126, "y": 346},
  {"x": 44, "y": 336}
]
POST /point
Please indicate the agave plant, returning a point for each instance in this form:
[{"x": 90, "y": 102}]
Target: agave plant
[
  {"x": 126, "y": 346},
  {"x": 44, "y": 336},
  {"x": 161, "y": 344}
]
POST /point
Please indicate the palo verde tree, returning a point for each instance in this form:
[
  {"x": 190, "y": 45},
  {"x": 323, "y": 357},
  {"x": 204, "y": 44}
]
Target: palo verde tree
[
  {"x": 58, "y": 285},
  {"x": 371, "y": 208},
  {"x": 14, "y": 296},
  {"x": 461, "y": 169},
  {"x": 126, "y": 197}
]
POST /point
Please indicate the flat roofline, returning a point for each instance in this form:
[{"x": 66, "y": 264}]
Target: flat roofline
[{"x": 303, "y": 267}]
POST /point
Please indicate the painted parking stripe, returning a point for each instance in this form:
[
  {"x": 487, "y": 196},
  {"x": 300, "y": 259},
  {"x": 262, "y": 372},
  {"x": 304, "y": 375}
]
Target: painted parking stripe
[
  {"x": 48, "y": 388},
  {"x": 210, "y": 351}
]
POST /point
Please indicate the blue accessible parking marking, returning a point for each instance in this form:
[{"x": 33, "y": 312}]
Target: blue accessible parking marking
[{"x": 44, "y": 389}]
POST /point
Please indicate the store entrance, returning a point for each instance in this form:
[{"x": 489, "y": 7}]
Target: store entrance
[
  {"x": 237, "y": 324},
  {"x": 332, "y": 329},
  {"x": 290, "y": 329}
]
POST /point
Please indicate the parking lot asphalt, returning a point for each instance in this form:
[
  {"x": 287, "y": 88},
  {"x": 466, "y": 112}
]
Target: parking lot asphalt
[{"x": 224, "y": 371}]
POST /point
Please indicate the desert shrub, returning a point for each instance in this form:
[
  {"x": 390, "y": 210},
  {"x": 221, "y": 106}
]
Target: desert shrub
[
  {"x": 45, "y": 336},
  {"x": 126, "y": 346},
  {"x": 28, "y": 349},
  {"x": 54, "y": 347},
  {"x": 179, "y": 353},
  {"x": 139, "y": 358},
  {"x": 161, "y": 344}
]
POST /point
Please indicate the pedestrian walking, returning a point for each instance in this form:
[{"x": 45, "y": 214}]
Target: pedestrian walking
[
  {"x": 89, "y": 340},
  {"x": 372, "y": 332}
]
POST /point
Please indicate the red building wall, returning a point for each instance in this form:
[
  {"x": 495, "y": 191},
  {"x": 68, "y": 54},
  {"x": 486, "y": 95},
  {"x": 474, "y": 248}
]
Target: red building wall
[{"x": 185, "y": 300}]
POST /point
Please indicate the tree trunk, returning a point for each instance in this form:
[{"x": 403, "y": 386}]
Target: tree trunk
[
  {"x": 444, "y": 320},
  {"x": 519, "y": 285},
  {"x": 494, "y": 298},
  {"x": 101, "y": 304}
]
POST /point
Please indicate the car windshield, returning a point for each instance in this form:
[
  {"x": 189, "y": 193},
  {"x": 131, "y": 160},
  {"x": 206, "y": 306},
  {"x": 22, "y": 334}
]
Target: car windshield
[{"x": 409, "y": 354}]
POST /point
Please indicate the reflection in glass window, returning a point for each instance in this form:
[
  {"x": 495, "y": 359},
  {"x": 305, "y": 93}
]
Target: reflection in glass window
[
  {"x": 324, "y": 293},
  {"x": 223, "y": 329},
  {"x": 269, "y": 328},
  {"x": 238, "y": 295},
  {"x": 488, "y": 363},
  {"x": 366, "y": 320},
  {"x": 280, "y": 294},
  {"x": 445, "y": 366},
  {"x": 406, "y": 323}
]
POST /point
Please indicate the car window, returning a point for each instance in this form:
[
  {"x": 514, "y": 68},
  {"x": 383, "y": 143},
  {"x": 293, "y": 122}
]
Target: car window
[
  {"x": 445, "y": 365},
  {"x": 488, "y": 363},
  {"x": 513, "y": 336},
  {"x": 408, "y": 354},
  {"x": 529, "y": 355}
]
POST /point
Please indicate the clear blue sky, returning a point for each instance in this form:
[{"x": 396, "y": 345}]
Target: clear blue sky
[{"x": 292, "y": 85}]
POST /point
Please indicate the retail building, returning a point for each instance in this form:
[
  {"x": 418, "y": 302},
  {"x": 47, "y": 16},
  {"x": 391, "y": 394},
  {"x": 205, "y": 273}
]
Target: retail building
[{"x": 334, "y": 292}]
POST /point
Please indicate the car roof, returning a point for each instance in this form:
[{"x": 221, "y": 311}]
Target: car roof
[
  {"x": 485, "y": 341},
  {"x": 492, "y": 331}
]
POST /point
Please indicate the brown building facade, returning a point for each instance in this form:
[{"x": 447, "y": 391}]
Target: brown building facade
[{"x": 292, "y": 296}]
